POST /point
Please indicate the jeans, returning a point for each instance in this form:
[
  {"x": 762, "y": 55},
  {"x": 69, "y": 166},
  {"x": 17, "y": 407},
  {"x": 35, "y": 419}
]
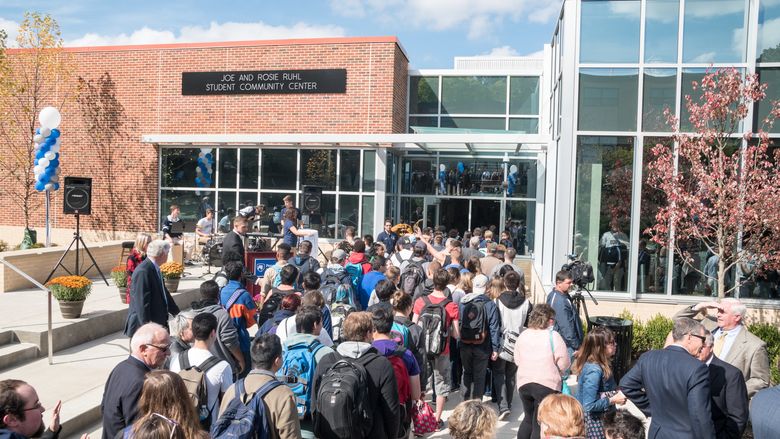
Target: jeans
[
  {"x": 504, "y": 378},
  {"x": 456, "y": 368},
  {"x": 532, "y": 395},
  {"x": 475, "y": 360}
]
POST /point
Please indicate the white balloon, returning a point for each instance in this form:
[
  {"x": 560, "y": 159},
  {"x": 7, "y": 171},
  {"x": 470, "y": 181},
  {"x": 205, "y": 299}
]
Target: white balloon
[
  {"x": 38, "y": 169},
  {"x": 442, "y": 167},
  {"x": 37, "y": 138},
  {"x": 50, "y": 155},
  {"x": 513, "y": 169},
  {"x": 37, "y": 147},
  {"x": 49, "y": 117},
  {"x": 56, "y": 148},
  {"x": 43, "y": 162},
  {"x": 201, "y": 154},
  {"x": 49, "y": 186},
  {"x": 59, "y": 170},
  {"x": 45, "y": 132},
  {"x": 54, "y": 179},
  {"x": 205, "y": 150},
  {"x": 59, "y": 140},
  {"x": 198, "y": 171}
]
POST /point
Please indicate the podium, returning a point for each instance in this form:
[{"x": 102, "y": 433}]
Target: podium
[{"x": 257, "y": 263}]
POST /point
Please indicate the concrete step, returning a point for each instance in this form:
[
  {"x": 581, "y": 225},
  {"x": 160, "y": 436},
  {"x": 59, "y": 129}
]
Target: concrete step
[
  {"x": 17, "y": 353},
  {"x": 6, "y": 337}
]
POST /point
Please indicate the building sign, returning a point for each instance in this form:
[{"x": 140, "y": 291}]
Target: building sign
[
  {"x": 262, "y": 264},
  {"x": 264, "y": 82}
]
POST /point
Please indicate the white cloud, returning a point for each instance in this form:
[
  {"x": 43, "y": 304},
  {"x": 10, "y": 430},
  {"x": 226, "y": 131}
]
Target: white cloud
[
  {"x": 12, "y": 29},
  {"x": 537, "y": 54},
  {"x": 229, "y": 31},
  {"x": 478, "y": 17},
  {"x": 707, "y": 57},
  {"x": 502, "y": 51},
  {"x": 710, "y": 9},
  {"x": 769, "y": 33}
]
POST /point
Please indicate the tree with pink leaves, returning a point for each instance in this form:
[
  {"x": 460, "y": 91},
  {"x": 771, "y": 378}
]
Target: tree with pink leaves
[{"x": 721, "y": 185}]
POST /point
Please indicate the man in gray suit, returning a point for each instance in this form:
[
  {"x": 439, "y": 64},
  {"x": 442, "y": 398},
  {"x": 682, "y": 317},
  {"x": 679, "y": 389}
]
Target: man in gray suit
[{"x": 734, "y": 344}]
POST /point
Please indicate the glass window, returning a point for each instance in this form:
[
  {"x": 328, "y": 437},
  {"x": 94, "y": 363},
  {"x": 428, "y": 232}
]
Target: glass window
[
  {"x": 771, "y": 77},
  {"x": 369, "y": 170},
  {"x": 391, "y": 174},
  {"x": 688, "y": 76},
  {"x": 484, "y": 214},
  {"x": 661, "y": 26},
  {"x": 660, "y": 87},
  {"x": 279, "y": 168},
  {"x": 602, "y": 207},
  {"x": 178, "y": 167},
  {"x": 228, "y": 167},
  {"x": 714, "y": 31},
  {"x": 609, "y": 31},
  {"x": 226, "y": 200},
  {"x": 390, "y": 208},
  {"x": 524, "y": 125},
  {"x": 608, "y": 99},
  {"x": 454, "y": 213},
  {"x": 651, "y": 257},
  {"x": 318, "y": 168},
  {"x": 367, "y": 223},
  {"x": 349, "y": 179},
  {"x": 348, "y": 214},
  {"x": 418, "y": 176},
  {"x": 474, "y": 123},
  {"x": 422, "y": 122},
  {"x": 325, "y": 224},
  {"x": 524, "y": 95},
  {"x": 423, "y": 95},
  {"x": 521, "y": 179},
  {"x": 521, "y": 223},
  {"x": 249, "y": 169},
  {"x": 412, "y": 209},
  {"x": 768, "y": 49},
  {"x": 189, "y": 203},
  {"x": 273, "y": 202},
  {"x": 473, "y": 95}
]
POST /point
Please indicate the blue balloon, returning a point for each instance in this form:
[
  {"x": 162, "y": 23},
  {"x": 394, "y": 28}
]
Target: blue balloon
[
  {"x": 39, "y": 155},
  {"x": 56, "y": 186},
  {"x": 208, "y": 182},
  {"x": 461, "y": 168},
  {"x": 40, "y": 186},
  {"x": 37, "y": 131},
  {"x": 197, "y": 180},
  {"x": 54, "y": 163},
  {"x": 208, "y": 157},
  {"x": 54, "y": 134}
]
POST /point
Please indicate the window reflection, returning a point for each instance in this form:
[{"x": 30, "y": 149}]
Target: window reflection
[
  {"x": 651, "y": 257},
  {"x": 278, "y": 171},
  {"x": 609, "y": 31},
  {"x": 367, "y": 223},
  {"x": 521, "y": 179},
  {"x": 318, "y": 168},
  {"x": 474, "y": 123},
  {"x": 524, "y": 95},
  {"x": 771, "y": 77},
  {"x": 178, "y": 167},
  {"x": 228, "y": 167},
  {"x": 661, "y": 28},
  {"x": 189, "y": 202},
  {"x": 714, "y": 31},
  {"x": 348, "y": 214},
  {"x": 473, "y": 95},
  {"x": 660, "y": 87},
  {"x": 602, "y": 216},
  {"x": 350, "y": 171},
  {"x": 423, "y": 95},
  {"x": 524, "y": 125},
  {"x": 249, "y": 168},
  {"x": 768, "y": 49},
  {"x": 608, "y": 99},
  {"x": 369, "y": 170},
  {"x": 418, "y": 176},
  {"x": 521, "y": 224}
]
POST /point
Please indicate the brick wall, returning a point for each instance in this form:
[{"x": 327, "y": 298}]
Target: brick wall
[{"x": 148, "y": 81}]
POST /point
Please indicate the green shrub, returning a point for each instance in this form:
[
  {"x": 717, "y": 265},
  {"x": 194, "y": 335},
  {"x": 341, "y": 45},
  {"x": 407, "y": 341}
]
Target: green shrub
[
  {"x": 3, "y": 246},
  {"x": 647, "y": 335},
  {"x": 771, "y": 336}
]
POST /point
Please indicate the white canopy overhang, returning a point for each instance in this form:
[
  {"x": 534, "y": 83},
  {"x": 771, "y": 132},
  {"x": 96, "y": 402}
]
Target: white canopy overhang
[{"x": 470, "y": 143}]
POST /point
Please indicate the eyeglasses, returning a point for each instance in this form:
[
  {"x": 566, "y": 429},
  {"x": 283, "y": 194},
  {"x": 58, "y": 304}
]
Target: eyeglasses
[
  {"x": 700, "y": 337},
  {"x": 164, "y": 349},
  {"x": 612, "y": 342},
  {"x": 170, "y": 422},
  {"x": 37, "y": 406}
]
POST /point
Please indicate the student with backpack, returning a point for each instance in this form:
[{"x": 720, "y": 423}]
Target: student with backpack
[
  {"x": 355, "y": 391},
  {"x": 271, "y": 277},
  {"x": 358, "y": 257},
  {"x": 438, "y": 317},
  {"x": 406, "y": 332},
  {"x": 240, "y": 307},
  {"x": 480, "y": 337},
  {"x": 514, "y": 310},
  {"x": 304, "y": 261},
  {"x": 405, "y": 367},
  {"x": 311, "y": 286},
  {"x": 287, "y": 308},
  {"x": 272, "y": 301},
  {"x": 207, "y": 377},
  {"x": 334, "y": 275},
  {"x": 383, "y": 294},
  {"x": 302, "y": 352},
  {"x": 371, "y": 279},
  {"x": 270, "y": 410},
  {"x": 413, "y": 273}
]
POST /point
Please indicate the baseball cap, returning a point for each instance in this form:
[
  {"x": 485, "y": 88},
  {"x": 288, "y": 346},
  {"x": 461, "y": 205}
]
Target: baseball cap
[
  {"x": 420, "y": 245},
  {"x": 405, "y": 242},
  {"x": 479, "y": 284},
  {"x": 339, "y": 254}
]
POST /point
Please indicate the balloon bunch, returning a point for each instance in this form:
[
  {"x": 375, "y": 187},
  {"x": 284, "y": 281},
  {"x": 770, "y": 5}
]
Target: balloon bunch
[
  {"x": 204, "y": 170},
  {"x": 47, "y": 151},
  {"x": 512, "y": 180}
]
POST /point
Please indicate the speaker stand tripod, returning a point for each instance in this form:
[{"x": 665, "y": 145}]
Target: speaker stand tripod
[{"x": 77, "y": 272}]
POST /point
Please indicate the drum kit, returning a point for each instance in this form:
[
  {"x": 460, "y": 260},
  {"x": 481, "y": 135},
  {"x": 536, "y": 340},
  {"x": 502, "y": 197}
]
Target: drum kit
[{"x": 212, "y": 251}]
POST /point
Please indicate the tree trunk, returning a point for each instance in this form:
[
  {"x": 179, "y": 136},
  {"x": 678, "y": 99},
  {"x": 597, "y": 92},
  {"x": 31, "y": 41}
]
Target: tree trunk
[{"x": 721, "y": 276}]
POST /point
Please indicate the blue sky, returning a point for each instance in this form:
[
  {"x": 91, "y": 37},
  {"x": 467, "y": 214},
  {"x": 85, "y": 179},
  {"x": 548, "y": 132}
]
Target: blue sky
[{"x": 431, "y": 31}]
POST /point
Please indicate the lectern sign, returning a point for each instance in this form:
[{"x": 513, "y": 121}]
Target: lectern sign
[{"x": 264, "y": 82}]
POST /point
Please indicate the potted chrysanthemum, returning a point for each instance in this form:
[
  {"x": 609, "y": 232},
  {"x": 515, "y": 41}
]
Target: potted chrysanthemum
[
  {"x": 70, "y": 292},
  {"x": 172, "y": 272},
  {"x": 119, "y": 275}
]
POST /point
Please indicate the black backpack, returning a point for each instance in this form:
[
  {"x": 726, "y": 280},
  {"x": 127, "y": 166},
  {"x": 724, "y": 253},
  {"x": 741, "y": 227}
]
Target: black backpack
[
  {"x": 412, "y": 278},
  {"x": 473, "y": 322},
  {"x": 306, "y": 266},
  {"x": 433, "y": 321},
  {"x": 343, "y": 408},
  {"x": 270, "y": 306},
  {"x": 331, "y": 281}
]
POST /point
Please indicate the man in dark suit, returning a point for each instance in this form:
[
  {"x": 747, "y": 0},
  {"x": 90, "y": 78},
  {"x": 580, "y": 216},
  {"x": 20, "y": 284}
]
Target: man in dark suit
[
  {"x": 150, "y": 347},
  {"x": 729, "y": 394},
  {"x": 764, "y": 413},
  {"x": 150, "y": 301},
  {"x": 233, "y": 244},
  {"x": 673, "y": 387}
]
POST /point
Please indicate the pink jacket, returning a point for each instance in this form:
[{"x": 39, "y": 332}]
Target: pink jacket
[{"x": 535, "y": 360}]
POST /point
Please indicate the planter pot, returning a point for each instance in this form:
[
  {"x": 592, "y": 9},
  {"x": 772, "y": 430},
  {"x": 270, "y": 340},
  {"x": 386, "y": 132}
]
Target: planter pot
[
  {"x": 172, "y": 285},
  {"x": 122, "y": 294},
  {"x": 71, "y": 310}
]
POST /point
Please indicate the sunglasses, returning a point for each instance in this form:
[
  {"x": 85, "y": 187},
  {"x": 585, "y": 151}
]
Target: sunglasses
[
  {"x": 700, "y": 337},
  {"x": 170, "y": 422}
]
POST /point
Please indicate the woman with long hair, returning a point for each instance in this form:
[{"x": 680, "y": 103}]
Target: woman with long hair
[
  {"x": 164, "y": 396},
  {"x": 291, "y": 232},
  {"x": 137, "y": 255},
  {"x": 595, "y": 382}
]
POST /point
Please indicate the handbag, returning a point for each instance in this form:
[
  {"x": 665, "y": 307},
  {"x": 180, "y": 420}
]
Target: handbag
[
  {"x": 508, "y": 341},
  {"x": 423, "y": 418},
  {"x": 564, "y": 386}
]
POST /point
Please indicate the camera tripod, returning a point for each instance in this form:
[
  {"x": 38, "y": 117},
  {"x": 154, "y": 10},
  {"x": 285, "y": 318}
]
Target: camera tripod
[
  {"x": 579, "y": 302},
  {"x": 77, "y": 272}
]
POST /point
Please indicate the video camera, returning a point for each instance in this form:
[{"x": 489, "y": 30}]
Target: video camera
[{"x": 581, "y": 272}]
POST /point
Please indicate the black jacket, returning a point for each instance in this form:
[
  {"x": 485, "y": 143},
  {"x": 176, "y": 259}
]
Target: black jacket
[
  {"x": 729, "y": 399},
  {"x": 674, "y": 388},
  {"x": 121, "y": 394},
  {"x": 48, "y": 434},
  {"x": 148, "y": 298},
  {"x": 232, "y": 248}
]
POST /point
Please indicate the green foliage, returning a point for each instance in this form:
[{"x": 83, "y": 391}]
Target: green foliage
[
  {"x": 648, "y": 335},
  {"x": 67, "y": 294},
  {"x": 771, "y": 336}
]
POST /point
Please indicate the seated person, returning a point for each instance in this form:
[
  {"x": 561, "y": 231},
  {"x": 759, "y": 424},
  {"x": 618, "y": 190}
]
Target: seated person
[
  {"x": 205, "y": 227},
  {"x": 224, "y": 222}
]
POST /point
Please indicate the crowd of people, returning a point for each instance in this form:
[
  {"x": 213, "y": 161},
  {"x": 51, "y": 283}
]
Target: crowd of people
[{"x": 374, "y": 342}]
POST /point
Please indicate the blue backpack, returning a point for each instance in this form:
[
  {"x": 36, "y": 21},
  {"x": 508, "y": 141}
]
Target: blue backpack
[
  {"x": 355, "y": 272},
  {"x": 278, "y": 277},
  {"x": 400, "y": 334},
  {"x": 245, "y": 421},
  {"x": 298, "y": 365}
]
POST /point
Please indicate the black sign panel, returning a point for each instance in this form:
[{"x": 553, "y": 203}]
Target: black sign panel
[{"x": 264, "y": 82}]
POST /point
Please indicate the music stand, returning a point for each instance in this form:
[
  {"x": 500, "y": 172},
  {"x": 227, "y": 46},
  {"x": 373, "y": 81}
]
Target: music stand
[
  {"x": 178, "y": 227},
  {"x": 77, "y": 240}
]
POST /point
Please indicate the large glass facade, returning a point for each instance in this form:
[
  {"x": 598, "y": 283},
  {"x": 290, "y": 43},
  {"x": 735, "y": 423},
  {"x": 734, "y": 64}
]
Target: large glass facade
[
  {"x": 771, "y": 77},
  {"x": 661, "y": 29},
  {"x": 768, "y": 49},
  {"x": 659, "y": 94},
  {"x": 714, "y": 31},
  {"x": 608, "y": 99},
  {"x": 609, "y": 31}
]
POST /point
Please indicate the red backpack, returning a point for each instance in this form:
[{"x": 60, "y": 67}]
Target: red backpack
[{"x": 401, "y": 374}]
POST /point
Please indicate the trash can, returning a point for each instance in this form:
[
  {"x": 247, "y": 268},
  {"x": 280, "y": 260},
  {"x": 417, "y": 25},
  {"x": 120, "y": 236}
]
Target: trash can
[{"x": 624, "y": 334}]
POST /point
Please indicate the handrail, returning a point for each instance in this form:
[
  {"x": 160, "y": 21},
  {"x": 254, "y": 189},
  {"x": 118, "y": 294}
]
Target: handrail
[{"x": 48, "y": 293}]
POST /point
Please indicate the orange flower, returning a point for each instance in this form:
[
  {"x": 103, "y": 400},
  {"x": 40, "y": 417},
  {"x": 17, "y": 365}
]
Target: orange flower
[{"x": 172, "y": 270}]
